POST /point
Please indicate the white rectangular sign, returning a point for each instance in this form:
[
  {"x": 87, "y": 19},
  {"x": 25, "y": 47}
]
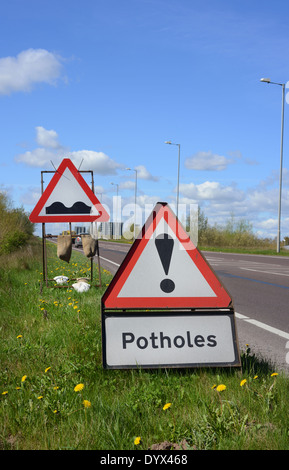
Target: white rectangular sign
[{"x": 169, "y": 340}]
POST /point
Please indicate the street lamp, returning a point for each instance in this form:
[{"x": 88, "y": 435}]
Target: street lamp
[
  {"x": 267, "y": 80},
  {"x": 135, "y": 191},
  {"x": 178, "y": 185}
]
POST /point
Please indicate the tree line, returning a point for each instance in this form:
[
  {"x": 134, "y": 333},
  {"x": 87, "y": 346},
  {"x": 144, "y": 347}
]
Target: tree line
[{"x": 233, "y": 234}]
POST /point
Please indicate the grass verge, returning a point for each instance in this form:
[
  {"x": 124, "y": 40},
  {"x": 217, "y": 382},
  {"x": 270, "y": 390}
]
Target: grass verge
[{"x": 55, "y": 394}]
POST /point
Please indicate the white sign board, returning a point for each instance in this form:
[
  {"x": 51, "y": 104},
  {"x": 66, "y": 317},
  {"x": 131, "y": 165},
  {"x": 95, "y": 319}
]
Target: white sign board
[{"x": 159, "y": 339}]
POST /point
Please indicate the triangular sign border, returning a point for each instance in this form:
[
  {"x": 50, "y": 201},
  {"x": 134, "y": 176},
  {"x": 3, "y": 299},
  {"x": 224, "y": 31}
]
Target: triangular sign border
[
  {"x": 110, "y": 299},
  {"x": 67, "y": 163}
]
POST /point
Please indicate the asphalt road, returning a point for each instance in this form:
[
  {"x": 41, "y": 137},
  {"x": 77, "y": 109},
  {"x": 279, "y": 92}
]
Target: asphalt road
[{"x": 259, "y": 287}]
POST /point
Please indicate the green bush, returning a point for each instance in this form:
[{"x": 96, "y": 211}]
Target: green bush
[{"x": 15, "y": 227}]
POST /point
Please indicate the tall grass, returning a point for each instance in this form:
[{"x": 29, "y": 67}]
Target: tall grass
[{"x": 55, "y": 394}]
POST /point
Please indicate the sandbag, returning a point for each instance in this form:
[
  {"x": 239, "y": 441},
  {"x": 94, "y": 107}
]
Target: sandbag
[
  {"x": 89, "y": 245},
  {"x": 81, "y": 286},
  {"x": 64, "y": 247}
]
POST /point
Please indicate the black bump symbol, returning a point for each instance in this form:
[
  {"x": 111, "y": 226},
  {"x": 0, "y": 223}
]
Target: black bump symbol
[{"x": 165, "y": 244}]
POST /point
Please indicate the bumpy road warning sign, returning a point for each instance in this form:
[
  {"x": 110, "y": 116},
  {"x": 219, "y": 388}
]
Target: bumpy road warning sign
[{"x": 68, "y": 198}]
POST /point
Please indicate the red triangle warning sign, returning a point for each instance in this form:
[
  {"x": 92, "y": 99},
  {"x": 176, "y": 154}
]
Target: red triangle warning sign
[
  {"x": 163, "y": 269},
  {"x": 68, "y": 198}
]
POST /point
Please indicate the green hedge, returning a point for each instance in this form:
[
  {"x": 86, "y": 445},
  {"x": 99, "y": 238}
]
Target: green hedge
[{"x": 15, "y": 227}]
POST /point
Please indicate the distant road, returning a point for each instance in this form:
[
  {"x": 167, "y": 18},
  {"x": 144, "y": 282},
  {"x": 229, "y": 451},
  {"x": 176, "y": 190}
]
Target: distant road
[{"x": 259, "y": 287}]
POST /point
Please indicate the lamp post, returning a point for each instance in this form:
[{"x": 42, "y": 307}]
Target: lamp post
[
  {"x": 178, "y": 184},
  {"x": 135, "y": 192},
  {"x": 267, "y": 80}
]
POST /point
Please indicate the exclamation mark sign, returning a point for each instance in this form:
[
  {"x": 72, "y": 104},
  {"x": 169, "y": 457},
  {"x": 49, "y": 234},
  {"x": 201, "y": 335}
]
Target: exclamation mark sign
[{"x": 165, "y": 244}]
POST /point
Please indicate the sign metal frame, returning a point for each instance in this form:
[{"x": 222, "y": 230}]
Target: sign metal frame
[{"x": 66, "y": 163}]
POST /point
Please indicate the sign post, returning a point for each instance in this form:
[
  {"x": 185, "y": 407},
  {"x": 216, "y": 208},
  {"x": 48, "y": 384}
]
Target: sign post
[
  {"x": 67, "y": 198},
  {"x": 165, "y": 306}
]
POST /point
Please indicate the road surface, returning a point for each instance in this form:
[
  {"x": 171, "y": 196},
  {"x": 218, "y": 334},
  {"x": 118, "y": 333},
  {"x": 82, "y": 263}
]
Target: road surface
[{"x": 259, "y": 287}]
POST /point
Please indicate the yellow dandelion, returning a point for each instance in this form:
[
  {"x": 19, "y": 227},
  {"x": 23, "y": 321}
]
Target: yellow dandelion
[
  {"x": 255, "y": 377},
  {"x": 243, "y": 382},
  {"x": 40, "y": 397},
  {"x": 274, "y": 374},
  {"x": 24, "y": 378},
  {"x": 214, "y": 386},
  {"x": 78, "y": 388},
  {"x": 221, "y": 388},
  {"x": 19, "y": 336},
  {"x": 47, "y": 369},
  {"x": 5, "y": 393},
  {"x": 86, "y": 403},
  {"x": 166, "y": 406},
  {"x": 18, "y": 388},
  {"x": 75, "y": 307},
  {"x": 137, "y": 441}
]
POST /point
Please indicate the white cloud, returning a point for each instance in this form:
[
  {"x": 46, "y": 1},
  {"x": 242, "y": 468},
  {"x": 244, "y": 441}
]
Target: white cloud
[
  {"x": 268, "y": 224},
  {"x": 96, "y": 161},
  {"x": 207, "y": 161},
  {"x": 48, "y": 139},
  {"x": 29, "y": 67},
  {"x": 212, "y": 191},
  {"x": 39, "y": 157},
  {"x": 52, "y": 151},
  {"x": 258, "y": 205},
  {"x": 144, "y": 174}
]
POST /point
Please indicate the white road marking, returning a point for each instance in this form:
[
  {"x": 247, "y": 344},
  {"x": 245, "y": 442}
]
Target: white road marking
[
  {"x": 265, "y": 272},
  {"x": 109, "y": 261},
  {"x": 260, "y": 324}
]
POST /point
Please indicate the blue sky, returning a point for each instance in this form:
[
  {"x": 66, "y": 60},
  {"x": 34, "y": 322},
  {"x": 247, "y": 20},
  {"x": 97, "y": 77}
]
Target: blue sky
[{"x": 109, "y": 81}]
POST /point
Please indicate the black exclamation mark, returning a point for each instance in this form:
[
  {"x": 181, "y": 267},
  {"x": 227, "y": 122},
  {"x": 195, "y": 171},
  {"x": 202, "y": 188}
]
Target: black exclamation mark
[{"x": 165, "y": 244}]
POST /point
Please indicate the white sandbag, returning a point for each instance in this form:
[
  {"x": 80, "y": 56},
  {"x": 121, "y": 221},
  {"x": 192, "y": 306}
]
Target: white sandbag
[
  {"x": 60, "y": 279},
  {"x": 81, "y": 286}
]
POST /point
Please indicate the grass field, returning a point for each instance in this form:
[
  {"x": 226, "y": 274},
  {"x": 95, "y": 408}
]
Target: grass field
[{"x": 55, "y": 394}]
